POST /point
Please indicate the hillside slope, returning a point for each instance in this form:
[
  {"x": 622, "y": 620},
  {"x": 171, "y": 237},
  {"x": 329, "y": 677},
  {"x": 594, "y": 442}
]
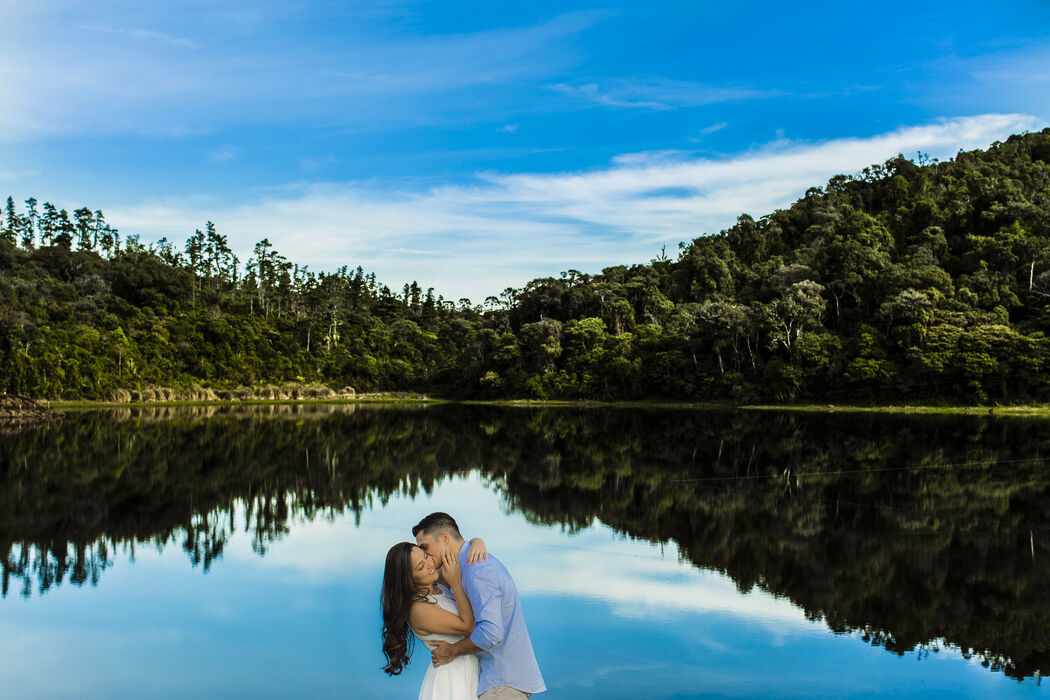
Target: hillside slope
[{"x": 909, "y": 281}]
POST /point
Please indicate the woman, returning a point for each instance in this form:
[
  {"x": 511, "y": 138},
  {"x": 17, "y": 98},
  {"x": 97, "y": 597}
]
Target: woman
[{"x": 412, "y": 599}]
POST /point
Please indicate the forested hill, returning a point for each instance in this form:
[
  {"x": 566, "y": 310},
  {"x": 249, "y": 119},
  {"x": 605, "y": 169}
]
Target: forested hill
[{"x": 910, "y": 281}]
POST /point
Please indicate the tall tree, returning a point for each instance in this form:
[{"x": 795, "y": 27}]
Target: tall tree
[
  {"x": 65, "y": 231},
  {"x": 85, "y": 228},
  {"x": 48, "y": 224},
  {"x": 29, "y": 224},
  {"x": 9, "y": 230}
]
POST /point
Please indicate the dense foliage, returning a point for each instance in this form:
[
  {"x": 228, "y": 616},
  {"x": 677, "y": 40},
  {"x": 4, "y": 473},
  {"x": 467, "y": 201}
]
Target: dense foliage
[
  {"x": 928, "y": 281},
  {"x": 81, "y": 324}
]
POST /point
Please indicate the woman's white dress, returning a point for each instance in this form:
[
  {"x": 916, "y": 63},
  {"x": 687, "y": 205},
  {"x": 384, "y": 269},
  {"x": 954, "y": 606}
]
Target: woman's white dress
[{"x": 457, "y": 680}]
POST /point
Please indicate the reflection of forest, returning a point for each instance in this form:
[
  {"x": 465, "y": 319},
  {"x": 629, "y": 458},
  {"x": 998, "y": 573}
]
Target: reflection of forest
[{"x": 853, "y": 518}]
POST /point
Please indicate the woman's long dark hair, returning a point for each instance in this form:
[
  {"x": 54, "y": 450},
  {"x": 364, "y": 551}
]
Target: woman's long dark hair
[{"x": 399, "y": 592}]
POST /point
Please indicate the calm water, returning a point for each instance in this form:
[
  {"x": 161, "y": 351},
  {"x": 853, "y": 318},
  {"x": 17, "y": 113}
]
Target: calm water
[{"x": 659, "y": 554}]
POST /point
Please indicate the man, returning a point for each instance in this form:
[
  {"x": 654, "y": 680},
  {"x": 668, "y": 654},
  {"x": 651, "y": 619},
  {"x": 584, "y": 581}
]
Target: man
[{"x": 500, "y": 639}]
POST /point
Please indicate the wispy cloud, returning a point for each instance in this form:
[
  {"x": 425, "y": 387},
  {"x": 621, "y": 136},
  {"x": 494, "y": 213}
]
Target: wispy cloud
[
  {"x": 507, "y": 228},
  {"x": 148, "y": 34},
  {"x": 658, "y": 93},
  {"x": 226, "y": 154},
  {"x": 1024, "y": 72},
  {"x": 708, "y": 130},
  {"x": 1016, "y": 76},
  {"x": 450, "y": 61},
  {"x": 6, "y": 175},
  {"x": 311, "y": 164},
  {"x": 94, "y": 85}
]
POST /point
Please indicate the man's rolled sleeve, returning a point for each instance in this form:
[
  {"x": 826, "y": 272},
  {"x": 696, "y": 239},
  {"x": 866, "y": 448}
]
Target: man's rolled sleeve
[{"x": 487, "y": 599}]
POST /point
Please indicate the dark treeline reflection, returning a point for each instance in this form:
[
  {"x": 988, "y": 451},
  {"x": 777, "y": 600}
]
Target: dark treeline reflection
[{"x": 915, "y": 531}]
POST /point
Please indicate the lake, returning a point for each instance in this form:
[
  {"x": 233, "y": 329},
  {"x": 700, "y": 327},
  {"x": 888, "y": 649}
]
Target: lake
[{"x": 662, "y": 553}]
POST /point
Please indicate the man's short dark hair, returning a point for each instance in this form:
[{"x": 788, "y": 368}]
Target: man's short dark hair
[{"x": 436, "y": 523}]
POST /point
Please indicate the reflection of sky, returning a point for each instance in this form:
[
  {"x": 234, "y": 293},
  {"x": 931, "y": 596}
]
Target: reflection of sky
[{"x": 609, "y": 617}]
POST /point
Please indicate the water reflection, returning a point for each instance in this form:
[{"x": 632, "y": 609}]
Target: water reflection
[{"x": 914, "y": 532}]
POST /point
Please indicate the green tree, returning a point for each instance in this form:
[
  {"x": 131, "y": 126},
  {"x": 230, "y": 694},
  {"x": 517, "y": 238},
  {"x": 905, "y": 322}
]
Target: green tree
[
  {"x": 12, "y": 222},
  {"x": 29, "y": 224},
  {"x": 64, "y": 230},
  {"x": 85, "y": 228}
]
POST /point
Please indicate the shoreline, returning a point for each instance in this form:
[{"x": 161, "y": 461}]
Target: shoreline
[
  {"x": 916, "y": 409},
  {"x": 83, "y": 404}
]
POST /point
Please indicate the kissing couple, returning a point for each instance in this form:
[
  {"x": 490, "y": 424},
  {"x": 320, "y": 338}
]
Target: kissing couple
[{"x": 463, "y": 605}]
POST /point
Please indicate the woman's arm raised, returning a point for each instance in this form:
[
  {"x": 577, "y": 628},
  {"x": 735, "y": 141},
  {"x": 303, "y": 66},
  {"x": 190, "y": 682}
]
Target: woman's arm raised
[{"x": 478, "y": 551}]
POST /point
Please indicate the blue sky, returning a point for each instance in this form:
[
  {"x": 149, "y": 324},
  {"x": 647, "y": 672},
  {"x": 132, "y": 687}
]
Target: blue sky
[{"x": 474, "y": 146}]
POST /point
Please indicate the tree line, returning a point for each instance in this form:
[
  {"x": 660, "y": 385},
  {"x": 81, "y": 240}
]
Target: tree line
[{"x": 918, "y": 280}]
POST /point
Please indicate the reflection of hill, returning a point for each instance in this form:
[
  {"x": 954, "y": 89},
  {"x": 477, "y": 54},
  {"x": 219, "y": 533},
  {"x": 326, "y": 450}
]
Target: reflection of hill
[{"x": 793, "y": 504}]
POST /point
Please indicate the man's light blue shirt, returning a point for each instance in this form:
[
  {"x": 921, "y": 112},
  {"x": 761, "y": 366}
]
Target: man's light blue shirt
[{"x": 506, "y": 655}]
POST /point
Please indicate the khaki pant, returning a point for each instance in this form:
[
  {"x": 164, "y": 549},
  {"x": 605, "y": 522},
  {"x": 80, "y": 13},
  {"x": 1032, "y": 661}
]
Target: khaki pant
[{"x": 504, "y": 692}]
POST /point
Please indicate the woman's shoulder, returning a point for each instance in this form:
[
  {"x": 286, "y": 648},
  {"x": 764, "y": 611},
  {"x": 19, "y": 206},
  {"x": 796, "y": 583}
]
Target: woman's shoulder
[
  {"x": 429, "y": 599},
  {"x": 419, "y": 607}
]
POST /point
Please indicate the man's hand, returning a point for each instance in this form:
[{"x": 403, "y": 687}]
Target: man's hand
[{"x": 442, "y": 653}]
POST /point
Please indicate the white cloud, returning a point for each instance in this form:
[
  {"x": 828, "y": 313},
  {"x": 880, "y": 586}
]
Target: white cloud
[
  {"x": 147, "y": 34},
  {"x": 707, "y": 131},
  {"x": 658, "y": 93},
  {"x": 507, "y": 228},
  {"x": 640, "y": 582},
  {"x": 103, "y": 79}
]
